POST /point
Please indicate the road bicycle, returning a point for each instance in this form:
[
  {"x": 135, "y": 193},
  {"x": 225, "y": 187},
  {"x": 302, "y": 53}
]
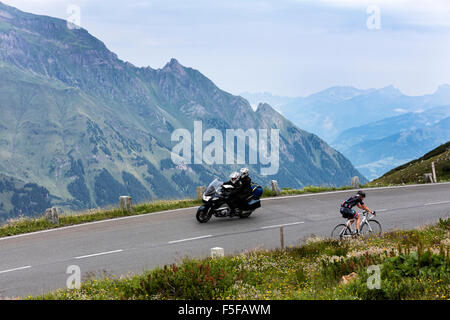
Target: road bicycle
[{"x": 368, "y": 227}]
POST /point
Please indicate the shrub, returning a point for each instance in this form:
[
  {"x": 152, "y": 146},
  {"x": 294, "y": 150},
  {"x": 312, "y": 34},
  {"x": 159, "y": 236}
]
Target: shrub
[
  {"x": 325, "y": 247},
  {"x": 409, "y": 276},
  {"x": 193, "y": 280},
  {"x": 268, "y": 192}
]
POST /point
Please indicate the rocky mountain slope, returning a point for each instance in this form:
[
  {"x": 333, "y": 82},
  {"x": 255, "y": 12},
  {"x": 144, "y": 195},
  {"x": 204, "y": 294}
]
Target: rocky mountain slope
[
  {"x": 18, "y": 198},
  {"x": 413, "y": 171}
]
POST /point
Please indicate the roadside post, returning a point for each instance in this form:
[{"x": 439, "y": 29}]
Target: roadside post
[
  {"x": 217, "y": 252},
  {"x": 52, "y": 216},
  {"x": 125, "y": 203},
  {"x": 433, "y": 171},
  {"x": 200, "y": 190},
  {"x": 282, "y": 237},
  {"x": 275, "y": 187}
]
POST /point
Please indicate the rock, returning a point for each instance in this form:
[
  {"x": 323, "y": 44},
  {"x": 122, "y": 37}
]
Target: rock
[
  {"x": 346, "y": 279},
  {"x": 51, "y": 215}
]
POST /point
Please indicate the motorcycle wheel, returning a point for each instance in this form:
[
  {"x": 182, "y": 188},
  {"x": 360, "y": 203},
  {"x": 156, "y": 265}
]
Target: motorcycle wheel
[{"x": 203, "y": 215}]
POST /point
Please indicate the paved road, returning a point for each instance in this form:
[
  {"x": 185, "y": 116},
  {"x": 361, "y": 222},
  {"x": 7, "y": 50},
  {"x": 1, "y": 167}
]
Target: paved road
[{"x": 37, "y": 263}]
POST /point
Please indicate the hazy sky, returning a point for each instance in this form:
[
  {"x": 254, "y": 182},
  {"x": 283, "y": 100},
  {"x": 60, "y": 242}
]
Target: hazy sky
[{"x": 286, "y": 47}]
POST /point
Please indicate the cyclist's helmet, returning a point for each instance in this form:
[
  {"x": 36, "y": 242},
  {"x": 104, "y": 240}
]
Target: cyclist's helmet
[
  {"x": 234, "y": 176},
  {"x": 244, "y": 172},
  {"x": 362, "y": 194}
]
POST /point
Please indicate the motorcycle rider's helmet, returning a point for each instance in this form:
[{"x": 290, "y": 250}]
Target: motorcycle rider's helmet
[
  {"x": 244, "y": 172},
  {"x": 362, "y": 194},
  {"x": 234, "y": 176}
]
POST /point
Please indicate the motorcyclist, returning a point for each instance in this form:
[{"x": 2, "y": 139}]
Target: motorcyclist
[
  {"x": 246, "y": 184},
  {"x": 241, "y": 190},
  {"x": 232, "y": 191},
  {"x": 234, "y": 180}
]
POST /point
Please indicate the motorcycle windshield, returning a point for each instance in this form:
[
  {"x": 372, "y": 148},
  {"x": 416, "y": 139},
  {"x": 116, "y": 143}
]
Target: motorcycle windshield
[{"x": 213, "y": 187}]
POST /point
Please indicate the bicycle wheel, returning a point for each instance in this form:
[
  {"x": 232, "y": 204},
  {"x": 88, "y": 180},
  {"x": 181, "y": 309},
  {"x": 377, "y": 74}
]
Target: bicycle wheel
[
  {"x": 371, "y": 228},
  {"x": 340, "y": 232}
]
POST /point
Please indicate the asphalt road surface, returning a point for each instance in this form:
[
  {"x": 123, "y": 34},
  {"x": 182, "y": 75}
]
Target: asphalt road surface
[{"x": 37, "y": 263}]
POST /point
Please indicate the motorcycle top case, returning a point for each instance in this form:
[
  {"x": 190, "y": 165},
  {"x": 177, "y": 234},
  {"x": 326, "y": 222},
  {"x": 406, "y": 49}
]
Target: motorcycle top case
[{"x": 257, "y": 191}]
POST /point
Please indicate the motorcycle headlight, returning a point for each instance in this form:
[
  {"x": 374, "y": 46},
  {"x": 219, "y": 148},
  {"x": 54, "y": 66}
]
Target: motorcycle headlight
[{"x": 206, "y": 198}]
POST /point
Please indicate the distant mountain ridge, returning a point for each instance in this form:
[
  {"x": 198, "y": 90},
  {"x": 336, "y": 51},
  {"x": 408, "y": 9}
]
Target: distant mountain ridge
[
  {"x": 265, "y": 97},
  {"x": 330, "y": 112},
  {"x": 377, "y": 147},
  {"x": 89, "y": 127}
]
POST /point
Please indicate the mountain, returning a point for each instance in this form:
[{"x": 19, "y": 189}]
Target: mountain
[
  {"x": 90, "y": 127},
  {"x": 389, "y": 126},
  {"x": 377, "y": 147},
  {"x": 332, "y": 111},
  {"x": 266, "y": 97},
  {"x": 18, "y": 198},
  {"x": 413, "y": 171}
]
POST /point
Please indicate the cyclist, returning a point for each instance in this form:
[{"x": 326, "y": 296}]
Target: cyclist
[{"x": 347, "y": 211}]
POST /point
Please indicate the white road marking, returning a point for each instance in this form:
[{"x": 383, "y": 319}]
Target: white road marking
[
  {"x": 15, "y": 269},
  {"x": 98, "y": 254},
  {"x": 432, "y": 203},
  {"x": 282, "y": 225},
  {"x": 190, "y": 239}
]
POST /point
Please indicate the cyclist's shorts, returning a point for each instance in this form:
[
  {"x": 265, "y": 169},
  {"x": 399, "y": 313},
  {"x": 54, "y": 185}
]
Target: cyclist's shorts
[{"x": 348, "y": 213}]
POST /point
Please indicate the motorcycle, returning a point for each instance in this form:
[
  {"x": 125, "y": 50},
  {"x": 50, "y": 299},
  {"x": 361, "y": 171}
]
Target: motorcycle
[{"x": 215, "y": 202}]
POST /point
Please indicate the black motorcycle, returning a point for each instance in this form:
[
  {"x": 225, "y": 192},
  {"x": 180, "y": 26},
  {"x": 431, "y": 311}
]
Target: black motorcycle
[{"x": 215, "y": 202}]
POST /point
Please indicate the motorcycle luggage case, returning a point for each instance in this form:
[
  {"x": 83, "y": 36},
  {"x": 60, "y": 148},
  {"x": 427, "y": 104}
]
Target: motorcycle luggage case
[{"x": 254, "y": 204}]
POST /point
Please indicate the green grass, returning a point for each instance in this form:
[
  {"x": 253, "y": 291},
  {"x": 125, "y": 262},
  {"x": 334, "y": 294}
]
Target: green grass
[
  {"x": 414, "y": 264},
  {"x": 268, "y": 192},
  {"x": 313, "y": 189},
  {"x": 25, "y": 225}
]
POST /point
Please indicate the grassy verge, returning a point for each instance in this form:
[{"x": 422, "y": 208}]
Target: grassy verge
[
  {"x": 412, "y": 172},
  {"x": 414, "y": 264},
  {"x": 267, "y": 192},
  {"x": 26, "y": 225}
]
